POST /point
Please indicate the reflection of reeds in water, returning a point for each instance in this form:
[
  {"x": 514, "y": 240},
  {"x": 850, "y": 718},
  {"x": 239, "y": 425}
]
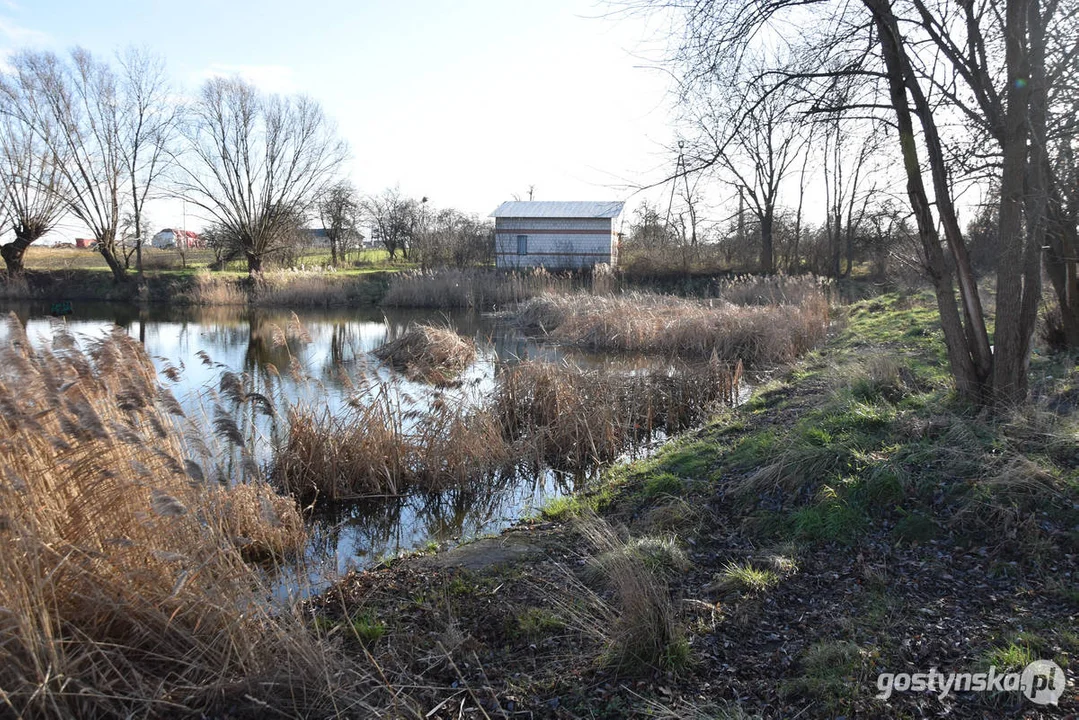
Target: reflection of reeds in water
[
  {"x": 555, "y": 414},
  {"x": 384, "y": 444},
  {"x": 123, "y": 585},
  {"x": 573, "y": 417}
]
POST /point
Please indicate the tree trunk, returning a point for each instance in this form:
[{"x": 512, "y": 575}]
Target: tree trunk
[
  {"x": 1015, "y": 286},
  {"x": 14, "y": 252},
  {"x": 969, "y": 382},
  {"x": 767, "y": 253},
  {"x": 107, "y": 248},
  {"x": 1060, "y": 265},
  {"x": 254, "y": 263}
]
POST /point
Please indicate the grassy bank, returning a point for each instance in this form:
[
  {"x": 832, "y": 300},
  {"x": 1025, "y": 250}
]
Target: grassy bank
[
  {"x": 278, "y": 288},
  {"x": 852, "y": 518}
]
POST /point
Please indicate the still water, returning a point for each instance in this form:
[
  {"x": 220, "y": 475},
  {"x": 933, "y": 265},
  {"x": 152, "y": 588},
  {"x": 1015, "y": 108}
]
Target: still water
[{"x": 320, "y": 358}]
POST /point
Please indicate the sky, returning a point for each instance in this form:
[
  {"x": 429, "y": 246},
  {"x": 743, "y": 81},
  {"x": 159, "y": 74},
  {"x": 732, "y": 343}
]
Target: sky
[{"x": 468, "y": 103}]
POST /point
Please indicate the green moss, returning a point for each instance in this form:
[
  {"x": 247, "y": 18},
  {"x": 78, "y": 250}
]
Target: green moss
[
  {"x": 915, "y": 528},
  {"x": 535, "y": 623},
  {"x": 830, "y": 520},
  {"x": 662, "y": 484}
]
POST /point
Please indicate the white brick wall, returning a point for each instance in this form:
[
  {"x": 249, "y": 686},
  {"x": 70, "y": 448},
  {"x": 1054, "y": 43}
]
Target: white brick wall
[{"x": 554, "y": 249}]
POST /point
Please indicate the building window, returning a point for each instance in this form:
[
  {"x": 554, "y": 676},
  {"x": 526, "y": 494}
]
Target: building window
[{"x": 522, "y": 244}]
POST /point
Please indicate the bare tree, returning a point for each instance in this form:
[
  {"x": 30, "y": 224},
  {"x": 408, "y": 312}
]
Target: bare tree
[
  {"x": 339, "y": 210},
  {"x": 255, "y": 162},
  {"x": 74, "y": 107},
  {"x": 394, "y": 220},
  {"x": 919, "y": 63},
  {"x": 847, "y": 194},
  {"x": 754, "y": 139},
  {"x": 451, "y": 238},
  {"x": 147, "y": 132},
  {"x": 30, "y": 177}
]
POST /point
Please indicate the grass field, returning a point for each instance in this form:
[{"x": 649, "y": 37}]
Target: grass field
[{"x": 44, "y": 258}]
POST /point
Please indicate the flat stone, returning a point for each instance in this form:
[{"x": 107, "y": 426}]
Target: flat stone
[{"x": 485, "y": 553}]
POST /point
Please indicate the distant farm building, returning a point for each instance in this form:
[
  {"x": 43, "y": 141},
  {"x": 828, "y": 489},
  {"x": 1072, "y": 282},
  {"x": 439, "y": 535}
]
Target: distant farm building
[
  {"x": 320, "y": 238},
  {"x": 169, "y": 238},
  {"x": 556, "y": 234},
  {"x": 85, "y": 243}
]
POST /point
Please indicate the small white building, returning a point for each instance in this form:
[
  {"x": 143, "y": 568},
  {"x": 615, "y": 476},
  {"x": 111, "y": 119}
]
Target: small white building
[
  {"x": 562, "y": 235},
  {"x": 170, "y": 238}
]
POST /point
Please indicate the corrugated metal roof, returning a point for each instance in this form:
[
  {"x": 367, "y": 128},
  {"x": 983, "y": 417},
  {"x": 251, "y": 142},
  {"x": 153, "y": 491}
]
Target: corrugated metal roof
[{"x": 556, "y": 209}]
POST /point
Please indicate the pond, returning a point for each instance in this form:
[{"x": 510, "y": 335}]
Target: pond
[{"x": 319, "y": 359}]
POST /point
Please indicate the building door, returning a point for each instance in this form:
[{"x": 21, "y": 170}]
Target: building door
[{"x": 522, "y": 244}]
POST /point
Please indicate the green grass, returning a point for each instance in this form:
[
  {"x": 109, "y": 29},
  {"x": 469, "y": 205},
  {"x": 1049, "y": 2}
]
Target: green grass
[
  {"x": 561, "y": 508},
  {"x": 1012, "y": 657},
  {"x": 367, "y": 628},
  {"x": 744, "y": 578},
  {"x": 915, "y": 528},
  {"x": 663, "y": 483},
  {"x": 535, "y": 623},
  {"x": 832, "y": 673}
]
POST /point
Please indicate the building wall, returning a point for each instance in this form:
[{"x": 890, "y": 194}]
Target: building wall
[{"x": 555, "y": 242}]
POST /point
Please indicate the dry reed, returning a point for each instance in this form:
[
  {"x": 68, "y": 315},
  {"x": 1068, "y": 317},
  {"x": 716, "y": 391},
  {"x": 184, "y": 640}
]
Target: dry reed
[
  {"x": 676, "y": 327},
  {"x": 571, "y": 416},
  {"x": 123, "y": 586},
  {"x": 382, "y": 446},
  {"x": 481, "y": 289},
  {"x": 549, "y": 413},
  {"x": 429, "y": 353},
  {"x": 278, "y": 288}
]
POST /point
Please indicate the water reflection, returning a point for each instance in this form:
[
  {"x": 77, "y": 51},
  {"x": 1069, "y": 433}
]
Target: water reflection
[{"x": 319, "y": 359}]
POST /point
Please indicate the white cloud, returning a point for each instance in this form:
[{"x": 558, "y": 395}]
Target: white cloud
[
  {"x": 15, "y": 34},
  {"x": 271, "y": 78}
]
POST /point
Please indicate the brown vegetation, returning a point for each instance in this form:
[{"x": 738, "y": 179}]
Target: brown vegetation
[
  {"x": 429, "y": 353},
  {"x": 541, "y": 412},
  {"x": 676, "y": 327},
  {"x": 123, "y": 587},
  {"x": 481, "y": 289},
  {"x": 570, "y": 416},
  {"x": 378, "y": 448}
]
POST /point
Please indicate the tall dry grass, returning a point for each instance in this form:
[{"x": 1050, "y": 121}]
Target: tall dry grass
[
  {"x": 480, "y": 289},
  {"x": 429, "y": 353},
  {"x": 124, "y": 590},
  {"x": 630, "y": 615},
  {"x": 565, "y": 415},
  {"x": 278, "y": 288},
  {"x": 539, "y": 413},
  {"x": 773, "y": 289},
  {"x": 383, "y": 446},
  {"x": 677, "y": 327},
  {"x": 206, "y": 288}
]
